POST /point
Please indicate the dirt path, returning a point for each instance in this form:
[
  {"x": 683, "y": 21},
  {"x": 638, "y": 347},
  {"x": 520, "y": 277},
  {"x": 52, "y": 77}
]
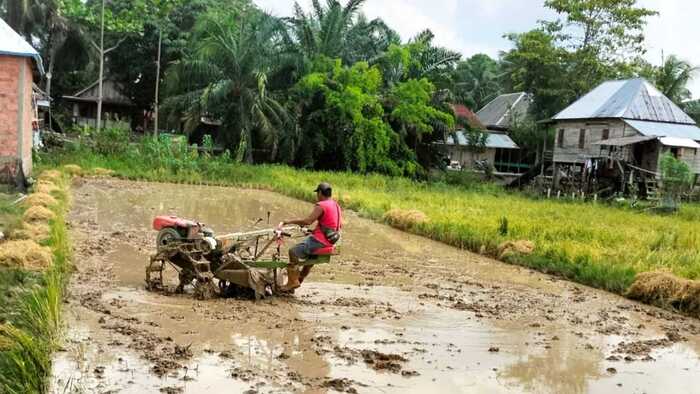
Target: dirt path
[{"x": 394, "y": 313}]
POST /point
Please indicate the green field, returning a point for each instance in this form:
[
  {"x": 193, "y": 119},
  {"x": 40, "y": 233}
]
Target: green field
[{"x": 594, "y": 244}]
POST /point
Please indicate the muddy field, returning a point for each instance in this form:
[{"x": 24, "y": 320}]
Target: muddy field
[{"x": 395, "y": 313}]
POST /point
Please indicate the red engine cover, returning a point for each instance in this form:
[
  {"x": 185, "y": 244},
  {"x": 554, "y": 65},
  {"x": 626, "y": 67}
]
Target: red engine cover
[{"x": 171, "y": 221}]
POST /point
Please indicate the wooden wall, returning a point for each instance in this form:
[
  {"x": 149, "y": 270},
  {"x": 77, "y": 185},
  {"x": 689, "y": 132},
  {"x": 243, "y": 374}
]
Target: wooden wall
[{"x": 568, "y": 150}]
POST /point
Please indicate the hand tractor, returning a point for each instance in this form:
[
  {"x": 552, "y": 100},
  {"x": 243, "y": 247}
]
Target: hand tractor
[{"x": 236, "y": 264}]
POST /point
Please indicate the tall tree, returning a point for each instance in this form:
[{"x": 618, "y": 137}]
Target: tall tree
[
  {"x": 113, "y": 21},
  {"x": 610, "y": 29},
  {"x": 132, "y": 63},
  {"x": 536, "y": 65},
  {"x": 226, "y": 79},
  {"x": 672, "y": 79}
]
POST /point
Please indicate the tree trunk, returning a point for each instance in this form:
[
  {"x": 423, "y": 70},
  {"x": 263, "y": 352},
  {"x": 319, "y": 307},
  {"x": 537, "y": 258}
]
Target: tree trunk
[
  {"x": 249, "y": 147},
  {"x": 102, "y": 62},
  {"x": 155, "y": 105}
]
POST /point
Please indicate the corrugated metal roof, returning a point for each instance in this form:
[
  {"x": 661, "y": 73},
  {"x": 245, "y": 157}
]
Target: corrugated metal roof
[
  {"x": 660, "y": 129},
  {"x": 494, "y": 140},
  {"x": 679, "y": 142},
  {"x": 13, "y": 44},
  {"x": 629, "y": 99},
  {"x": 502, "y": 110}
]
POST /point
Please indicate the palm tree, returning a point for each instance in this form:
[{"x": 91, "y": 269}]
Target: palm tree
[
  {"x": 227, "y": 79},
  {"x": 338, "y": 31},
  {"x": 22, "y": 15},
  {"x": 673, "y": 77},
  {"x": 477, "y": 81},
  {"x": 417, "y": 59}
]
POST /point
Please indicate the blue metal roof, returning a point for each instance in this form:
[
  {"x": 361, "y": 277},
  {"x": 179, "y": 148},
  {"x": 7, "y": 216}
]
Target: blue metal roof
[
  {"x": 13, "y": 44},
  {"x": 629, "y": 99},
  {"x": 494, "y": 140},
  {"x": 661, "y": 129}
]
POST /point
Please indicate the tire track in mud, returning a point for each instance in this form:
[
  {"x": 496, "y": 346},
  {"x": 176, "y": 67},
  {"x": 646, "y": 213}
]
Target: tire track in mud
[{"x": 394, "y": 313}]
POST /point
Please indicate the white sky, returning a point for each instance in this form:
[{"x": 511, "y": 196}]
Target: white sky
[{"x": 473, "y": 26}]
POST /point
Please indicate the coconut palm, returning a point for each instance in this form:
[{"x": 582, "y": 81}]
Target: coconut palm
[
  {"x": 673, "y": 77},
  {"x": 338, "y": 31},
  {"x": 227, "y": 77}
]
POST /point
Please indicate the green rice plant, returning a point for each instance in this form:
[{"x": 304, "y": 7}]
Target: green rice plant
[
  {"x": 31, "y": 320},
  {"x": 22, "y": 360}
]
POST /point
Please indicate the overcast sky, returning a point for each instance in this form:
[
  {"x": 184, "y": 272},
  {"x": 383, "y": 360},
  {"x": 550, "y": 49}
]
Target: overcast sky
[{"x": 473, "y": 26}]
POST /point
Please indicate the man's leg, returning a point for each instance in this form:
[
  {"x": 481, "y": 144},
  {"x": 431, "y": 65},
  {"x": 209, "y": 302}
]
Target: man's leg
[
  {"x": 304, "y": 273},
  {"x": 295, "y": 254},
  {"x": 292, "y": 273}
]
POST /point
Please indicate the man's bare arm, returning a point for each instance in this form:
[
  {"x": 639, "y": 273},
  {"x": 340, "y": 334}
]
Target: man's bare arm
[{"x": 315, "y": 214}]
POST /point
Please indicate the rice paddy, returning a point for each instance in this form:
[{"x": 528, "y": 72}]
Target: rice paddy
[{"x": 596, "y": 244}]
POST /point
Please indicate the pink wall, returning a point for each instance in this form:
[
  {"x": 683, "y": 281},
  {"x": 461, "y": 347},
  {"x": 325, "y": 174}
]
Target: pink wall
[{"x": 16, "y": 115}]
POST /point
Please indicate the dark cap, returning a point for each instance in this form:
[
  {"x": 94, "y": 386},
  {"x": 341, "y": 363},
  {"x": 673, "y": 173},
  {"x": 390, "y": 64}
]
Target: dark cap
[{"x": 324, "y": 188}]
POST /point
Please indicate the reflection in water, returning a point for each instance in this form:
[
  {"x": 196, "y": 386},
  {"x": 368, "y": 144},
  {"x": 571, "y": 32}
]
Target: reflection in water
[{"x": 563, "y": 368}]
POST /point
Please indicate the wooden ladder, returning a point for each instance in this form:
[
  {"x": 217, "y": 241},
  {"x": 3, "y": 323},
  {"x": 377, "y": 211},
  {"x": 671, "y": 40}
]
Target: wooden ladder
[{"x": 652, "y": 186}]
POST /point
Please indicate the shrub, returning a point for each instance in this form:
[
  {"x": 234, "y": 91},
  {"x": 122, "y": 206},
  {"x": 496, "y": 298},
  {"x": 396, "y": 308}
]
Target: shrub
[
  {"x": 112, "y": 140},
  {"x": 676, "y": 179}
]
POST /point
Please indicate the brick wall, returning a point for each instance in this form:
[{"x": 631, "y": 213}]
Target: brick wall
[{"x": 16, "y": 114}]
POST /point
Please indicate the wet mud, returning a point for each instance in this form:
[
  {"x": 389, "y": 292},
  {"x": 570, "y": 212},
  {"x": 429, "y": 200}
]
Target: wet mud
[{"x": 394, "y": 313}]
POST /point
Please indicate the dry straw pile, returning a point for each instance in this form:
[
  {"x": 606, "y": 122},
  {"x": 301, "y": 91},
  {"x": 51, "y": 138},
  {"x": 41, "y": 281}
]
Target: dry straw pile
[
  {"x": 99, "y": 171},
  {"x": 666, "y": 290},
  {"x": 515, "y": 247},
  {"x": 50, "y": 175},
  {"x": 25, "y": 254},
  {"x": 38, "y": 213},
  {"x": 38, "y": 232},
  {"x": 73, "y": 169},
  {"x": 45, "y": 186},
  {"x": 404, "y": 219}
]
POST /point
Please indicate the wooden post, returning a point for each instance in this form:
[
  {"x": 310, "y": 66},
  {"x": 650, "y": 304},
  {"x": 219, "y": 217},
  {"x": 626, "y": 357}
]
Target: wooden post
[
  {"x": 155, "y": 105},
  {"x": 98, "y": 122}
]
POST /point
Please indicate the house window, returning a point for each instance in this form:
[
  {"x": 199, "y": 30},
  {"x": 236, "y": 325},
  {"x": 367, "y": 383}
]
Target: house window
[
  {"x": 560, "y": 138},
  {"x": 676, "y": 152},
  {"x": 582, "y": 139},
  {"x": 606, "y": 134}
]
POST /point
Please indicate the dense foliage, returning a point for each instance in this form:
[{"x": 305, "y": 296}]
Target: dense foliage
[{"x": 327, "y": 87}]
